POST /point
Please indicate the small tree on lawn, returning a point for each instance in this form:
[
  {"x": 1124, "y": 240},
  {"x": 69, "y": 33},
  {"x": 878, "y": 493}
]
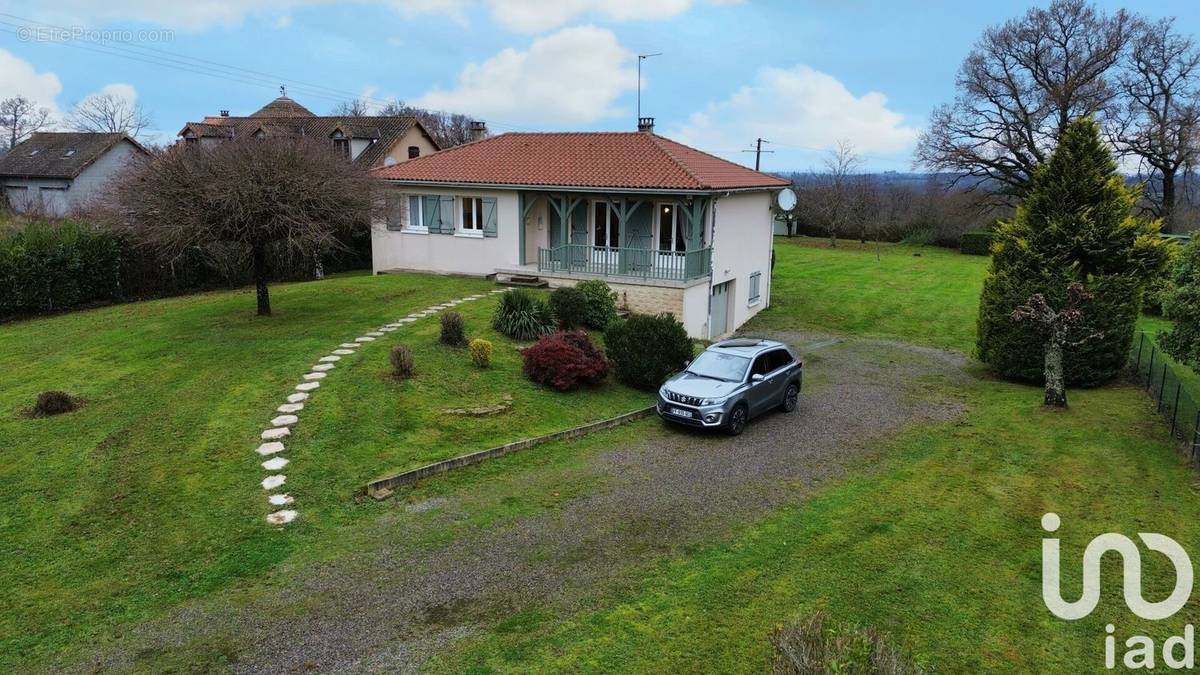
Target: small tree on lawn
[
  {"x": 1057, "y": 328},
  {"x": 270, "y": 196}
]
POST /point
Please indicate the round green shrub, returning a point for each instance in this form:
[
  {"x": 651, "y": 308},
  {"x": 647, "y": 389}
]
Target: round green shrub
[
  {"x": 601, "y": 303},
  {"x": 569, "y": 306},
  {"x": 481, "y": 352},
  {"x": 565, "y": 360},
  {"x": 646, "y": 350},
  {"x": 522, "y": 315}
]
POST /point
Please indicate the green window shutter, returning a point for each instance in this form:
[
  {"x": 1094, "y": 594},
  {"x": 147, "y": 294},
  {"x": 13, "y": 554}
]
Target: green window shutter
[
  {"x": 489, "y": 216},
  {"x": 432, "y": 220},
  {"x": 446, "y": 214}
]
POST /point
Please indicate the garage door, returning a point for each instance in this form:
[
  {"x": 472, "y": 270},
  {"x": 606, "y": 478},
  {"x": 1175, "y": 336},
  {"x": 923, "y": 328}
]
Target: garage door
[{"x": 718, "y": 309}]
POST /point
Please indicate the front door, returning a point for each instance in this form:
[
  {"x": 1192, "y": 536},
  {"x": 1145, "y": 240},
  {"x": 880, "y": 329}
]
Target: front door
[{"x": 718, "y": 309}]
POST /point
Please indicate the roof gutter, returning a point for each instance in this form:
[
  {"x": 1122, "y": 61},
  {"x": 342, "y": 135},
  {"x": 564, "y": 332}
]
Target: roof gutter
[{"x": 577, "y": 188}]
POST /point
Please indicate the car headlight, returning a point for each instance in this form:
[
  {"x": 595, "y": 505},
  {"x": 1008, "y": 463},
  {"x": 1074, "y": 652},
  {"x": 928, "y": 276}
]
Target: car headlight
[{"x": 711, "y": 401}]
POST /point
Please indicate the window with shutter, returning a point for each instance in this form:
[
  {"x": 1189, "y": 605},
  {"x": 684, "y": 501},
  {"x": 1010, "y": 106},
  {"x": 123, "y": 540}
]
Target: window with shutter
[
  {"x": 489, "y": 216},
  {"x": 755, "y": 282}
]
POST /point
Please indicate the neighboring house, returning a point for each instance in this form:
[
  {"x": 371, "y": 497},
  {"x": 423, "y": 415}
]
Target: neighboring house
[
  {"x": 59, "y": 173},
  {"x": 670, "y": 228},
  {"x": 369, "y": 141}
]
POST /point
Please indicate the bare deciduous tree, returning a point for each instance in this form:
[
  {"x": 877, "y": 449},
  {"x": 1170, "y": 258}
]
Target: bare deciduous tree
[
  {"x": 1160, "y": 116},
  {"x": 109, "y": 113},
  {"x": 1019, "y": 88},
  {"x": 265, "y": 197},
  {"x": 833, "y": 193},
  {"x": 21, "y": 117},
  {"x": 1056, "y": 327}
]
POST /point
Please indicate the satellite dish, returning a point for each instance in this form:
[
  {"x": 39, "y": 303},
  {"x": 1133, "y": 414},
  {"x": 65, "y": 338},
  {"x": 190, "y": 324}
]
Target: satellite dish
[
  {"x": 389, "y": 161},
  {"x": 785, "y": 199}
]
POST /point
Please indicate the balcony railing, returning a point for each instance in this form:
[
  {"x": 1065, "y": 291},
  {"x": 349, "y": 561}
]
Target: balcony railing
[{"x": 626, "y": 262}]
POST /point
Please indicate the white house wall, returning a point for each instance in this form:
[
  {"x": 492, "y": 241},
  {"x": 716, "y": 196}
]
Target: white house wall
[
  {"x": 449, "y": 253},
  {"x": 97, "y": 178},
  {"x": 742, "y": 241}
]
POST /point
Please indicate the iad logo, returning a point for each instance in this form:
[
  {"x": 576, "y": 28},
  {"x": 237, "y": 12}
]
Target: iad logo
[{"x": 1141, "y": 648}]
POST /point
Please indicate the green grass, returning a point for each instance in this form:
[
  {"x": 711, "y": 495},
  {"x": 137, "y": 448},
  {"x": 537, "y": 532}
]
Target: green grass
[
  {"x": 938, "y": 546},
  {"x": 149, "y": 494},
  {"x": 922, "y": 294}
]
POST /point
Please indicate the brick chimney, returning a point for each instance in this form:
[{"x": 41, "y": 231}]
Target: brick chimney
[
  {"x": 646, "y": 124},
  {"x": 478, "y": 130},
  {"x": 224, "y": 113}
]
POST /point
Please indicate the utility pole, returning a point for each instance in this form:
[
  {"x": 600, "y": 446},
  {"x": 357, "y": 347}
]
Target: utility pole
[
  {"x": 758, "y": 151},
  {"x": 642, "y": 57}
]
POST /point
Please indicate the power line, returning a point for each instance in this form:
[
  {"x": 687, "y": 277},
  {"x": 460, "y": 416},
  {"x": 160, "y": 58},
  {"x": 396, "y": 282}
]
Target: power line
[
  {"x": 758, "y": 151},
  {"x": 198, "y": 66}
]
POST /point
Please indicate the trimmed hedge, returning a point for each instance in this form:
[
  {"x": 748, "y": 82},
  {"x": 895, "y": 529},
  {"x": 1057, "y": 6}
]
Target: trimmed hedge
[
  {"x": 976, "y": 243},
  {"x": 56, "y": 266},
  {"x": 646, "y": 350},
  {"x": 569, "y": 306}
]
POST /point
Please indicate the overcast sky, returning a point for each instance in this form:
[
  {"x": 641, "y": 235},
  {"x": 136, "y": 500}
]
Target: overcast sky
[{"x": 799, "y": 74}]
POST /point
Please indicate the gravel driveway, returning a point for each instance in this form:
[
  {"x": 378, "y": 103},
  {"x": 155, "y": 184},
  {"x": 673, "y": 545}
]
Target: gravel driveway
[{"x": 391, "y": 605}]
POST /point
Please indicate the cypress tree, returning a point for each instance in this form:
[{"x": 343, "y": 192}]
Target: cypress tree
[{"x": 1075, "y": 225}]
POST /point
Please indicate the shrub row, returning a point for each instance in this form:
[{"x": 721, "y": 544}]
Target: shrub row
[
  {"x": 523, "y": 315},
  {"x": 977, "y": 242}
]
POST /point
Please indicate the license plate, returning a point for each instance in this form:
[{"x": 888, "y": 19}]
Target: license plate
[{"x": 680, "y": 412}]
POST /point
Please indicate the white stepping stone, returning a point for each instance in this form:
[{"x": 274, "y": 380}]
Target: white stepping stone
[
  {"x": 272, "y": 482},
  {"x": 314, "y": 376},
  {"x": 322, "y": 367},
  {"x": 343, "y": 352},
  {"x": 285, "y": 420},
  {"x": 385, "y": 329},
  {"x": 308, "y": 386},
  {"x": 290, "y": 408},
  {"x": 333, "y": 358},
  {"x": 297, "y": 397},
  {"x": 274, "y": 464},
  {"x": 348, "y": 345},
  {"x": 414, "y": 316},
  {"x": 269, "y": 448},
  {"x": 276, "y": 433},
  {"x": 393, "y": 326},
  {"x": 375, "y": 333},
  {"x": 365, "y": 338},
  {"x": 281, "y": 517},
  {"x": 280, "y": 500}
]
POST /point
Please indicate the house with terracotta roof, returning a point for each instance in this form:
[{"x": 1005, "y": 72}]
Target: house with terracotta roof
[
  {"x": 58, "y": 173},
  {"x": 670, "y": 228},
  {"x": 370, "y": 141}
]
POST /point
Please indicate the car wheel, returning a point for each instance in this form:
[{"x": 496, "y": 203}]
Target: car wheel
[
  {"x": 791, "y": 398},
  {"x": 737, "y": 421}
]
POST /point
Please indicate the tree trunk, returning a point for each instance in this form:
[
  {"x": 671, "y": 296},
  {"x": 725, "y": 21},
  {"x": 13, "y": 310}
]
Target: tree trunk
[
  {"x": 1056, "y": 389},
  {"x": 1168, "y": 200},
  {"x": 260, "y": 280}
]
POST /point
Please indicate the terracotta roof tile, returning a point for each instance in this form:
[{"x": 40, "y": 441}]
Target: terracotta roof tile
[{"x": 631, "y": 160}]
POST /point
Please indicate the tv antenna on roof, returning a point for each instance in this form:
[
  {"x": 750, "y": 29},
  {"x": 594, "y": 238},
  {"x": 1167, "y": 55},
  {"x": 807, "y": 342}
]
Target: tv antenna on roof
[
  {"x": 642, "y": 57},
  {"x": 282, "y": 90}
]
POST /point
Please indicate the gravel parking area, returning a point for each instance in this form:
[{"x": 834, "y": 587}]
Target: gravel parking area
[{"x": 392, "y": 604}]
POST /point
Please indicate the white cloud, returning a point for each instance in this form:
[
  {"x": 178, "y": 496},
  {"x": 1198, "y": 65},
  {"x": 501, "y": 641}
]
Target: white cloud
[
  {"x": 282, "y": 22},
  {"x": 525, "y": 16},
  {"x": 20, "y": 78},
  {"x": 573, "y": 76},
  {"x": 802, "y": 108}
]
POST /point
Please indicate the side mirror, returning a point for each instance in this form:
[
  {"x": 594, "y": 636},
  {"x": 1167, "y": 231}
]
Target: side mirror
[
  {"x": 687, "y": 363},
  {"x": 757, "y": 377}
]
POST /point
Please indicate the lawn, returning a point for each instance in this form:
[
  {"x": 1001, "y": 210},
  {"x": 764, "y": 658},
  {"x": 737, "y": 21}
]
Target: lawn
[
  {"x": 921, "y": 294},
  {"x": 149, "y": 494}
]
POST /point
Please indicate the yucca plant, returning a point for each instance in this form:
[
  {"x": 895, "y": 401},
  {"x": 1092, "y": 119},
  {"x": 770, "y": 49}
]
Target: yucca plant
[{"x": 522, "y": 315}]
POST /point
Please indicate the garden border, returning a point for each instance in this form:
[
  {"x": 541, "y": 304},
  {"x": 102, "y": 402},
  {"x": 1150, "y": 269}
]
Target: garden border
[{"x": 382, "y": 488}]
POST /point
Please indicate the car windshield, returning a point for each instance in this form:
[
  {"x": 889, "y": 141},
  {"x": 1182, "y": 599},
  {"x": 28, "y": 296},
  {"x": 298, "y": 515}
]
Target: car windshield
[{"x": 714, "y": 364}]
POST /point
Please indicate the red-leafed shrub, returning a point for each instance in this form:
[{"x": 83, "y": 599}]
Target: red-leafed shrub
[{"x": 565, "y": 360}]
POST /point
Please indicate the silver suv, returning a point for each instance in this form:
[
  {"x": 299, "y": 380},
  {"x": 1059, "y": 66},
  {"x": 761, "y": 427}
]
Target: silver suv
[{"x": 730, "y": 382}]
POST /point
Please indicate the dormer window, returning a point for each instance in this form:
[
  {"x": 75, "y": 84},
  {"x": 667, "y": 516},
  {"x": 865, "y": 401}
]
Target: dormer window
[
  {"x": 68, "y": 153},
  {"x": 260, "y": 134},
  {"x": 189, "y": 137},
  {"x": 341, "y": 144}
]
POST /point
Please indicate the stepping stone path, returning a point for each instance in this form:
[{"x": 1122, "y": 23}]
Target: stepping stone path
[{"x": 281, "y": 424}]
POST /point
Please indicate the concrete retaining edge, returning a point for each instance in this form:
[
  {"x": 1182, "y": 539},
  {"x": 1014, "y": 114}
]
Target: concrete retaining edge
[{"x": 382, "y": 487}]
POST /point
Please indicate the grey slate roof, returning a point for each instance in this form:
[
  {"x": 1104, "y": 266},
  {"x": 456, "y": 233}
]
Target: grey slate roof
[{"x": 58, "y": 155}]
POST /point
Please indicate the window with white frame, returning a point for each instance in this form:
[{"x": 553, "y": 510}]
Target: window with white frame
[
  {"x": 606, "y": 227},
  {"x": 472, "y": 215},
  {"x": 416, "y": 214},
  {"x": 755, "y": 284}
]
